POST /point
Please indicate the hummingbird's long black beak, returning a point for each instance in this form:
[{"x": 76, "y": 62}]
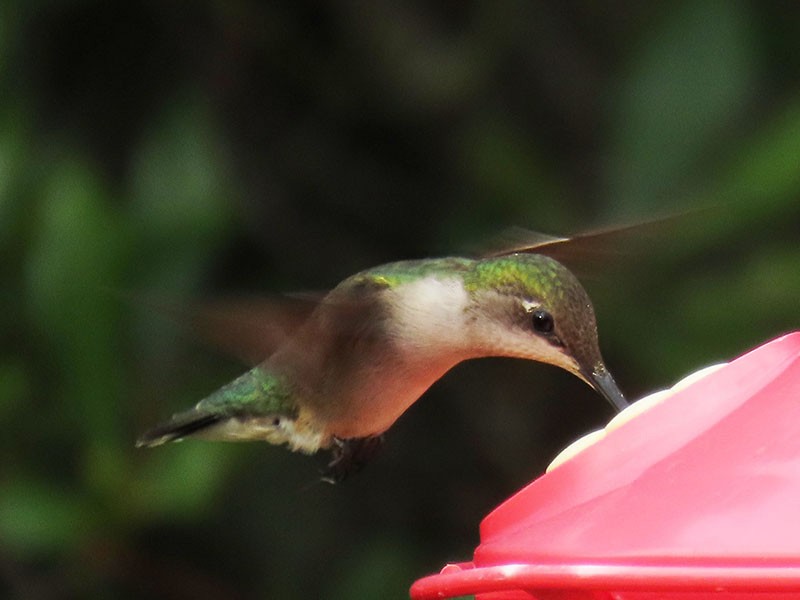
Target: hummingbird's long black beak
[{"x": 600, "y": 379}]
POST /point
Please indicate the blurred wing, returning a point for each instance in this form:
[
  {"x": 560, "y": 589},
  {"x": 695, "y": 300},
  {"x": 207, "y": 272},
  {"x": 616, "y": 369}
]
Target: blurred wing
[
  {"x": 252, "y": 328},
  {"x": 517, "y": 239},
  {"x": 594, "y": 248},
  {"x": 249, "y": 328}
]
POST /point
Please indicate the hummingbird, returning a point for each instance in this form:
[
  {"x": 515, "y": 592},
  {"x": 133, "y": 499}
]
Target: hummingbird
[{"x": 378, "y": 340}]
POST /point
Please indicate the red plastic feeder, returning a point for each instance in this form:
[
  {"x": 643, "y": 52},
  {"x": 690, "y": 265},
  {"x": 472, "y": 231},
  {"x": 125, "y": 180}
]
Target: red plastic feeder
[{"x": 698, "y": 496}]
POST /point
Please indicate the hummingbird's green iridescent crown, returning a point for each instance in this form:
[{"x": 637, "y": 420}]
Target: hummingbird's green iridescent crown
[{"x": 520, "y": 273}]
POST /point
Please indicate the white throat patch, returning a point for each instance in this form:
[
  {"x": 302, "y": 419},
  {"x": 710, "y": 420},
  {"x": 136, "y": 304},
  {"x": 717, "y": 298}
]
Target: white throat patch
[{"x": 430, "y": 313}]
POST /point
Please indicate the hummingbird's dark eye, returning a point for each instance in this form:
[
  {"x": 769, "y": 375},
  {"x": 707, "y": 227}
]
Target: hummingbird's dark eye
[{"x": 542, "y": 321}]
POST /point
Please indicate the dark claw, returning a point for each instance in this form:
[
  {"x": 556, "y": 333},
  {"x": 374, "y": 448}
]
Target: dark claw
[{"x": 350, "y": 456}]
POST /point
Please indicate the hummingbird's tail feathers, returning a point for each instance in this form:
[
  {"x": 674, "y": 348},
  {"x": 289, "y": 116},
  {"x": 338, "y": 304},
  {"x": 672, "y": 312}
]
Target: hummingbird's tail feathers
[
  {"x": 178, "y": 427},
  {"x": 257, "y": 405}
]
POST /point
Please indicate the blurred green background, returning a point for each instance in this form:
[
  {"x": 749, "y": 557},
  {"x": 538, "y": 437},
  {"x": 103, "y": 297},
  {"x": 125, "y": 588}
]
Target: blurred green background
[{"x": 197, "y": 149}]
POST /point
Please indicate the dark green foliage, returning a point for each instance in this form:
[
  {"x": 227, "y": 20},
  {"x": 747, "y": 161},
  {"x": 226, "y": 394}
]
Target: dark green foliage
[{"x": 197, "y": 149}]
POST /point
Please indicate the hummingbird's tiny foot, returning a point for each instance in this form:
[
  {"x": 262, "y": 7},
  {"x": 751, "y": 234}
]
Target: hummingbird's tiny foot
[{"x": 349, "y": 457}]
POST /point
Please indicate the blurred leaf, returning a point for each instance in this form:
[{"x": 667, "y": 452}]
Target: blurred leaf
[
  {"x": 764, "y": 173},
  {"x": 38, "y": 519},
  {"x": 183, "y": 190},
  {"x": 77, "y": 252},
  {"x": 179, "y": 482},
  {"x": 755, "y": 190},
  {"x": 497, "y": 162},
  {"x": 693, "y": 75}
]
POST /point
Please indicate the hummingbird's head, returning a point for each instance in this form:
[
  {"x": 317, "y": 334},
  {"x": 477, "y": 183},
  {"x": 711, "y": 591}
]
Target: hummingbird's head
[{"x": 531, "y": 306}]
